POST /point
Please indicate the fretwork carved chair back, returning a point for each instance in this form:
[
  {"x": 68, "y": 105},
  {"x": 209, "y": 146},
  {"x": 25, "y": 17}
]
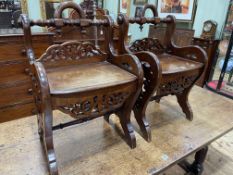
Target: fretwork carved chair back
[
  {"x": 81, "y": 80},
  {"x": 181, "y": 66}
]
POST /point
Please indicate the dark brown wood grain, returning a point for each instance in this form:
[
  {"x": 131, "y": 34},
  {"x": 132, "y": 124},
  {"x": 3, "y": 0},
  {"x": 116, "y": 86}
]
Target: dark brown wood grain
[
  {"x": 211, "y": 48},
  {"x": 181, "y": 66},
  {"x": 80, "y": 79},
  {"x": 181, "y": 37},
  {"x": 16, "y": 101},
  {"x": 17, "y": 111},
  {"x": 14, "y": 64}
]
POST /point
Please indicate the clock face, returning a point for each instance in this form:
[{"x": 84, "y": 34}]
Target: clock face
[{"x": 207, "y": 27}]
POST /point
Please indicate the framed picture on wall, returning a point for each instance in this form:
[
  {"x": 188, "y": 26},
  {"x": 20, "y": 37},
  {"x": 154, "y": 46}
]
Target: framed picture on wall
[
  {"x": 140, "y": 2},
  {"x": 124, "y": 6},
  {"x": 48, "y": 8},
  {"x": 100, "y": 3},
  {"x": 138, "y": 12},
  {"x": 181, "y": 9}
]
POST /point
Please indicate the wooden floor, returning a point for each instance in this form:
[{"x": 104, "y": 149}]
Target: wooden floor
[{"x": 219, "y": 159}]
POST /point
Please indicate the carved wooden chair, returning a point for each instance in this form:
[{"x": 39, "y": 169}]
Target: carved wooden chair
[
  {"x": 81, "y": 80},
  {"x": 181, "y": 66}
]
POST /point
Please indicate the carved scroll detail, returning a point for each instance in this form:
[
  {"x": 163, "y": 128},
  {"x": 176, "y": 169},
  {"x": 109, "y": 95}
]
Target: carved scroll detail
[
  {"x": 95, "y": 105},
  {"x": 148, "y": 78},
  {"x": 147, "y": 44},
  {"x": 177, "y": 86},
  {"x": 71, "y": 50}
]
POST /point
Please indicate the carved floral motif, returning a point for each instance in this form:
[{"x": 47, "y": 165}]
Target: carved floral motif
[
  {"x": 95, "y": 105},
  {"x": 177, "y": 86},
  {"x": 71, "y": 50},
  {"x": 147, "y": 44},
  {"x": 148, "y": 78}
]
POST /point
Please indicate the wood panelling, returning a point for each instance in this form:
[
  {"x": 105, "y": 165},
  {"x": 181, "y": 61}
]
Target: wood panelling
[
  {"x": 13, "y": 72},
  {"x": 16, "y": 101},
  {"x": 17, "y": 111},
  {"x": 15, "y": 95},
  {"x": 182, "y": 37},
  {"x": 14, "y": 81}
]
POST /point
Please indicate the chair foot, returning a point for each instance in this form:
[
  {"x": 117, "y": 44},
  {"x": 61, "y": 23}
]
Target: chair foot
[
  {"x": 127, "y": 128},
  {"x": 50, "y": 155},
  {"x": 184, "y": 104},
  {"x": 143, "y": 124},
  {"x": 158, "y": 100},
  {"x": 46, "y": 134},
  {"x": 52, "y": 163},
  {"x": 106, "y": 117},
  {"x": 129, "y": 133}
]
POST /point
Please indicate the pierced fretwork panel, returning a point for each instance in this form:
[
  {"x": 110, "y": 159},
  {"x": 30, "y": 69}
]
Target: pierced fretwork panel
[
  {"x": 147, "y": 44},
  {"x": 71, "y": 50},
  {"x": 148, "y": 78},
  {"x": 92, "y": 106},
  {"x": 177, "y": 86}
]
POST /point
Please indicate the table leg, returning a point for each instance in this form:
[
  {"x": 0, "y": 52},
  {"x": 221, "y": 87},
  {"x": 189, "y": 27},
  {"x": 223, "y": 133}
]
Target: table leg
[{"x": 196, "y": 168}]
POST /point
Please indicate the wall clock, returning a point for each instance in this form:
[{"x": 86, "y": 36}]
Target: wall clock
[{"x": 209, "y": 29}]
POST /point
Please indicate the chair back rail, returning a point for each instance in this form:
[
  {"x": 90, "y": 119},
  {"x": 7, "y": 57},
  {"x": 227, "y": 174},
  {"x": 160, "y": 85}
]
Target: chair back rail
[
  {"x": 154, "y": 45},
  {"x": 76, "y": 51},
  {"x": 124, "y": 22}
]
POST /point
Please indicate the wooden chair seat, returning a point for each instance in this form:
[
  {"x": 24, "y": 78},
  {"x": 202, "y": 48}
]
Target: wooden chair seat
[
  {"x": 172, "y": 64},
  {"x": 80, "y": 78}
]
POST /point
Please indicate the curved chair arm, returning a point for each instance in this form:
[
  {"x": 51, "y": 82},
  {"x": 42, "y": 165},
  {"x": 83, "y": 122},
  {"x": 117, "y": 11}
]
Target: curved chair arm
[
  {"x": 152, "y": 76},
  {"x": 41, "y": 92},
  {"x": 151, "y": 80},
  {"x": 129, "y": 63},
  {"x": 28, "y": 38},
  {"x": 41, "y": 88},
  {"x": 194, "y": 53}
]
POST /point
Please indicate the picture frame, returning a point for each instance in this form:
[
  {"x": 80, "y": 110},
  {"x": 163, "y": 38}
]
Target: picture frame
[
  {"x": 124, "y": 6},
  {"x": 140, "y": 2},
  {"x": 24, "y": 6},
  {"x": 47, "y": 8},
  {"x": 100, "y": 3},
  {"x": 138, "y": 12},
  {"x": 183, "y": 10}
]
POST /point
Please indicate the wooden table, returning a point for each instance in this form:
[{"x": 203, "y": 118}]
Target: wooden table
[{"x": 104, "y": 152}]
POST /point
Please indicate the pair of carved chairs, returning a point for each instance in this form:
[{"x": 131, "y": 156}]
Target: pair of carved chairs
[
  {"x": 181, "y": 66},
  {"x": 83, "y": 81}
]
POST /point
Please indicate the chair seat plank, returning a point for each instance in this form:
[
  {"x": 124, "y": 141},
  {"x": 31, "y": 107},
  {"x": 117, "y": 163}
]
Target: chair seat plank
[
  {"x": 172, "y": 64},
  {"x": 79, "y": 78}
]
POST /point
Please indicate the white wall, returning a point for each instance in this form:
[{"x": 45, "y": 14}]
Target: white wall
[
  {"x": 34, "y": 12},
  {"x": 206, "y": 10},
  {"x": 134, "y": 28},
  {"x": 211, "y": 10},
  {"x": 112, "y": 6}
]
